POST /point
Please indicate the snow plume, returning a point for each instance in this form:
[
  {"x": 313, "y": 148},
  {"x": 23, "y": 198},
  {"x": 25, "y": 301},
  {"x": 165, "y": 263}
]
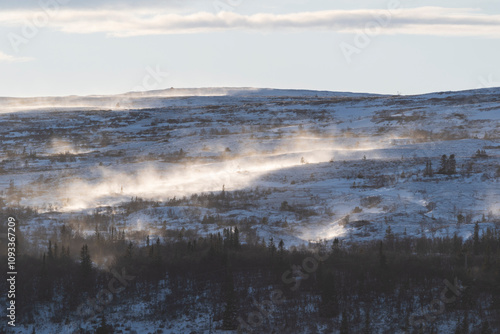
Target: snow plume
[
  {"x": 238, "y": 170},
  {"x": 113, "y": 186},
  {"x": 61, "y": 146}
]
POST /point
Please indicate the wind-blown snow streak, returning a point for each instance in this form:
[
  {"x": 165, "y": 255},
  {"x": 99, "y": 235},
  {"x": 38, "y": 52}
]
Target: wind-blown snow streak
[{"x": 113, "y": 186}]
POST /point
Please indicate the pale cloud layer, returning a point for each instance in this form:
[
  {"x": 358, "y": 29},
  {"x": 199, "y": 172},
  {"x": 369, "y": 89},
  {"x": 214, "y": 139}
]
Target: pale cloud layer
[
  {"x": 5, "y": 58},
  {"x": 437, "y": 21}
]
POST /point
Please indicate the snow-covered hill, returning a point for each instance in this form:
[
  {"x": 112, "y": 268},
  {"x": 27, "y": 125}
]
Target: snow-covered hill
[
  {"x": 323, "y": 153},
  {"x": 296, "y": 165}
]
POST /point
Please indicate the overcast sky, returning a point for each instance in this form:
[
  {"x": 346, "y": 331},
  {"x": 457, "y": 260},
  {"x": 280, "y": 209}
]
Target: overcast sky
[{"x": 65, "y": 47}]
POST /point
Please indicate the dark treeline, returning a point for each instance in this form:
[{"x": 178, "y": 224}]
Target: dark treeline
[{"x": 262, "y": 286}]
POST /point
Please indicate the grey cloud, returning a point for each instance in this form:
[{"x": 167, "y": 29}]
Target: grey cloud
[{"x": 137, "y": 21}]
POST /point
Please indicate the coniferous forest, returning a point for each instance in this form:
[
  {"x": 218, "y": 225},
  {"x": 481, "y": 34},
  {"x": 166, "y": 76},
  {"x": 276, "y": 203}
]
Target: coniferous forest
[{"x": 264, "y": 286}]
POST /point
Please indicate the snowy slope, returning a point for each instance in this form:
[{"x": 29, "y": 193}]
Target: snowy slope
[{"x": 299, "y": 165}]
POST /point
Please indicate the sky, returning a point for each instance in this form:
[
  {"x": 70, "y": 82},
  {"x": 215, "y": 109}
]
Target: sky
[{"x": 70, "y": 47}]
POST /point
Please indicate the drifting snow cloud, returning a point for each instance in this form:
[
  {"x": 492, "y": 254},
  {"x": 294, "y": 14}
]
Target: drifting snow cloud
[{"x": 135, "y": 22}]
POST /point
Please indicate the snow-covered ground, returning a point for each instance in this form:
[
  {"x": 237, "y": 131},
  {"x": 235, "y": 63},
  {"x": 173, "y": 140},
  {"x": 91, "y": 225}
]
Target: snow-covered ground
[{"x": 305, "y": 165}]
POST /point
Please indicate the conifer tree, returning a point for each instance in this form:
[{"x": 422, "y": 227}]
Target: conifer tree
[
  {"x": 389, "y": 236},
  {"x": 443, "y": 168},
  {"x": 475, "y": 239},
  {"x": 367, "y": 326},
  {"x": 452, "y": 165},
  {"x": 45, "y": 289},
  {"x": 335, "y": 245},
  {"x": 329, "y": 306},
  {"x": 465, "y": 324},
  {"x": 85, "y": 262},
  {"x": 130, "y": 250},
  {"x": 50, "y": 254},
  {"x": 236, "y": 238},
  {"x": 485, "y": 328},
  {"x": 382, "y": 258},
  {"x": 230, "y": 311},
  {"x": 487, "y": 259},
  {"x": 103, "y": 328},
  {"x": 281, "y": 248},
  {"x": 428, "y": 169},
  {"x": 271, "y": 247},
  {"x": 344, "y": 325}
]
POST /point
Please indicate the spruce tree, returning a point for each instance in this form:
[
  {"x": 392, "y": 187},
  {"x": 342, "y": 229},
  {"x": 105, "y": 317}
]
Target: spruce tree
[
  {"x": 367, "y": 327},
  {"x": 382, "y": 258},
  {"x": 230, "y": 312},
  {"x": 475, "y": 239},
  {"x": 344, "y": 325},
  {"x": 329, "y": 306},
  {"x": 50, "y": 254},
  {"x": 271, "y": 247},
  {"x": 428, "y": 169},
  {"x": 458, "y": 329},
  {"x": 45, "y": 288},
  {"x": 464, "y": 326},
  {"x": 85, "y": 262},
  {"x": 236, "y": 238},
  {"x": 103, "y": 328},
  {"x": 485, "y": 328},
  {"x": 335, "y": 245},
  {"x": 487, "y": 259},
  {"x": 151, "y": 251},
  {"x": 281, "y": 249},
  {"x": 452, "y": 165},
  {"x": 389, "y": 236},
  {"x": 157, "y": 260},
  {"x": 129, "y": 252},
  {"x": 443, "y": 168}
]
